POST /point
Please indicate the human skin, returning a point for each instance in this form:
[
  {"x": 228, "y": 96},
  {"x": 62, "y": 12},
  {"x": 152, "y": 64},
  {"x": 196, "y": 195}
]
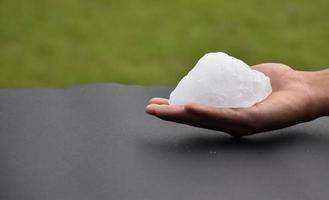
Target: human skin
[{"x": 297, "y": 97}]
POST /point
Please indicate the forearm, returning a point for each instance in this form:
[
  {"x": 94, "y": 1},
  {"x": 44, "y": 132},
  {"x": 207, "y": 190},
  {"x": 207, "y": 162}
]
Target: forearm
[{"x": 319, "y": 85}]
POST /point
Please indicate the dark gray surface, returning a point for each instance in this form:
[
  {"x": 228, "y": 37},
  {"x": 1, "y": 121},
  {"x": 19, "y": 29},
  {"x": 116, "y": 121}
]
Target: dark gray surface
[{"x": 95, "y": 142}]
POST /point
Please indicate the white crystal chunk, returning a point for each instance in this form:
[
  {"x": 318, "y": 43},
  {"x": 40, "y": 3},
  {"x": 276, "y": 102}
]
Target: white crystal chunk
[{"x": 221, "y": 80}]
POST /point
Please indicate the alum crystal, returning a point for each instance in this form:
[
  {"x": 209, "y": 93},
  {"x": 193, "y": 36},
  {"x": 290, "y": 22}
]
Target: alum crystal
[{"x": 223, "y": 81}]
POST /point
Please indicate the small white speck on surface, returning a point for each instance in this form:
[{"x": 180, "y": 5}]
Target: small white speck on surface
[{"x": 212, "y": 152}]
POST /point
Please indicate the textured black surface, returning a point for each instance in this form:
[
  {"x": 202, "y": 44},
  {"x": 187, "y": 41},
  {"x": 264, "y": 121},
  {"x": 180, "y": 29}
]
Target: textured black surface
[{"x": 95, "y": 142}]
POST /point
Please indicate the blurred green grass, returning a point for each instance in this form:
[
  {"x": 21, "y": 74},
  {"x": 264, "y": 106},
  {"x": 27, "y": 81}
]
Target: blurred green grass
[{"x": 65, "y": 42}]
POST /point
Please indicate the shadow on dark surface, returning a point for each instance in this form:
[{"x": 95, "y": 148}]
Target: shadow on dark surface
[{"x": 213, "y": 144}]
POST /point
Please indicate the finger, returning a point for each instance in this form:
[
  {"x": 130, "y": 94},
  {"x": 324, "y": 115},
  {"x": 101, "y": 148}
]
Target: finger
[
  {"x": 175, "y": 114},
  {"x": 178, "y": 114},
  {"x": 261, "y": 66},
  {"x": 268, "y": 67},
  {"x": 150, "y": 109},
  {"x": 159, "y": 101},
  {"x": 227, "y": 115}
]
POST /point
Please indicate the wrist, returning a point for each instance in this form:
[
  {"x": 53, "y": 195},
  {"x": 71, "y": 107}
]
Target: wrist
[{"x": 318, "y": 84}]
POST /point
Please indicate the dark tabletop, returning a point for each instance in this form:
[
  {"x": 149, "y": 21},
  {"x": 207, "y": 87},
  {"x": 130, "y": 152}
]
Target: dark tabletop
[{"x": 95, "y": 142}]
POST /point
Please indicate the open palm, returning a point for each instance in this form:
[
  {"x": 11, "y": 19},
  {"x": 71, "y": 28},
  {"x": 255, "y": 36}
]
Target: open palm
[{"x": 290, "y": 103}]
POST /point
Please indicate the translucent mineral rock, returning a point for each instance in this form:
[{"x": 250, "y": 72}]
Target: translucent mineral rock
[{"x": 223, "y": 81}]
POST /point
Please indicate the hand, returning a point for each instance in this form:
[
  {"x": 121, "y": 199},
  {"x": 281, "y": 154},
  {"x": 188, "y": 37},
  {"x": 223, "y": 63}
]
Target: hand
[{"x": 292, "y": 101}]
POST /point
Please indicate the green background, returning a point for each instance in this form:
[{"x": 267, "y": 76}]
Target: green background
[{"x": 55, "y": 43}]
